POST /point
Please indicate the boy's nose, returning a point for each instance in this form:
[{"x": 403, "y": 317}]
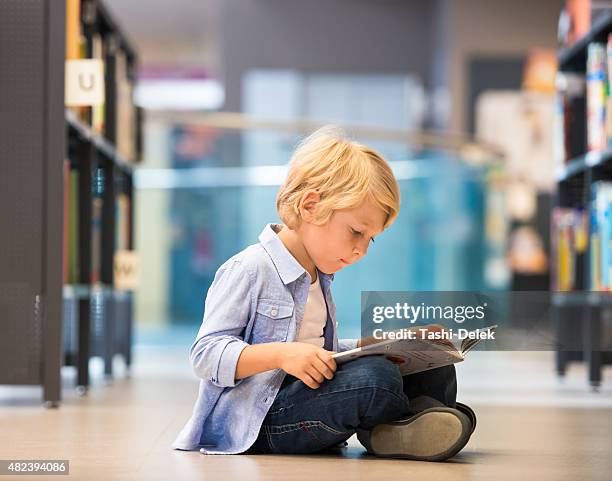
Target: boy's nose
[
  {"x": 366, "y": 245},
  {"x": 359, "y": 252}
]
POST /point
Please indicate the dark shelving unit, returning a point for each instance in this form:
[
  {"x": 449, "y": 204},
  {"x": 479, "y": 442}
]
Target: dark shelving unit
[
  {"x": 573, "y": 59},
  {"x": 45, "y": 322},
  {"x": 101, "y": 330},
  {"x": 32, "y": 146},
  {"x": 577, "y": 315},
  {"x": 583, "y": 163}
]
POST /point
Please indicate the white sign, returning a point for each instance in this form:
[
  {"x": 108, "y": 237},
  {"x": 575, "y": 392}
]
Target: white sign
[
  {"x": 84, "y": 82},
  {"x": 126, "y": 270}
]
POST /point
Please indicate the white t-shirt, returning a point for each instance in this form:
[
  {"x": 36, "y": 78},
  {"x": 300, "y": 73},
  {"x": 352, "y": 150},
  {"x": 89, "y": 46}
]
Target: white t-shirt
[{"x": 315, "y": 317}]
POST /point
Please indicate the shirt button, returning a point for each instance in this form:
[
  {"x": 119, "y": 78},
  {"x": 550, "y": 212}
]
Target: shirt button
[
  {"x": 274, "y": 312},
  {"x": 265, "y": 399}
]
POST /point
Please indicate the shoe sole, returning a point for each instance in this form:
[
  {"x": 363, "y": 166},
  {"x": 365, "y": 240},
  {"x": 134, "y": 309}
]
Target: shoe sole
[
  {"x": 469, "y": 412},
  {"x": 435, "y": 434}
]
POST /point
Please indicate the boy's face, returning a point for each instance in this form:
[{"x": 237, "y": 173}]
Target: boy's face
[{"x": 345, "y": 238}]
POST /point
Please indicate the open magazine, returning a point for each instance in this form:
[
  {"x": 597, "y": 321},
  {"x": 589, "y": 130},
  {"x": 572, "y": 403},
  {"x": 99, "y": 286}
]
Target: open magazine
[{"x": 416, "y": 355}]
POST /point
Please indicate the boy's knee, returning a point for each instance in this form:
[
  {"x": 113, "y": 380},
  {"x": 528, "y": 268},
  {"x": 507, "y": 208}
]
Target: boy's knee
[
  {"x": 377, "y": 372},
  {"x": 372, "y": 390},
  {"x": 384, "y": 394}
]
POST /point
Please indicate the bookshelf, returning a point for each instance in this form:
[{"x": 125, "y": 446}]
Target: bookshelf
[
  {"x": 103, "y": 146},
  {"x": 66, "y": 193},
  {"x": 573, "y": 58},
  {"x": 579, "y": 165},
  {"x": 581, "y": 290}
]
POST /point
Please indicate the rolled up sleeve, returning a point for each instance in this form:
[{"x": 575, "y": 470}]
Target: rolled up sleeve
[
  {"x": 226, "y": 367},
  {"x": 220, "y": 340}
]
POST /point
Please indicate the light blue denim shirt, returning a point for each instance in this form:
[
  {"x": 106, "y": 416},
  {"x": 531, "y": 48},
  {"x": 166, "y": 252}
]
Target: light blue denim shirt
[{"x": 258, "y": 295}]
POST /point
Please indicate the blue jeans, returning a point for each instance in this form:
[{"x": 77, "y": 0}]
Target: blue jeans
[{"x": 363, "y": 393}]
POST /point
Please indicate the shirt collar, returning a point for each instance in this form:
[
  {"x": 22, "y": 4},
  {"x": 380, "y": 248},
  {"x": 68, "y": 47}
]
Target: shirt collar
[{"x": 287, "y": 266}]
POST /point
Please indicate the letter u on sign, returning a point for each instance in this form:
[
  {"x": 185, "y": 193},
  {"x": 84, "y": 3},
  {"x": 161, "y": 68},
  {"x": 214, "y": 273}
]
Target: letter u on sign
[{"x": 84, "y": 82}]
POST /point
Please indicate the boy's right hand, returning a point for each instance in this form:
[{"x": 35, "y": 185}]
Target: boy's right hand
[{"x": 309, "y": 363}]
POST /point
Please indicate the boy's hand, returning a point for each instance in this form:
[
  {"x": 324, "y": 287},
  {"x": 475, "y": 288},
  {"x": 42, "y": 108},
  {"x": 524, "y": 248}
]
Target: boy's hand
[{"x": 307, "y": 362}]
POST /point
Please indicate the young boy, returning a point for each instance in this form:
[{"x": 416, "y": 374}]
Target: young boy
[{"x": 264, "y": 351}]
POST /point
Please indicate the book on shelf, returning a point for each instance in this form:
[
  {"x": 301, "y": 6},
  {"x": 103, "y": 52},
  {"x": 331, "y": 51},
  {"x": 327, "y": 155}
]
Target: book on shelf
[
  {"x": 569, "y": 237},
  {"x": 66, "y": 221},
  {"x": 73, "y": 228},
  {"x": 569, "y": 139},
  {"x": 96, "y": 225},
  {"x": 597, "y": 86},
  {"x": 75, "y": 43},
  {"x": 98, "y": 112},
  {"x": 125, "y": 110},
  {"x": 601, "y": 237},
  {"x": 578, "y": 232},
  {"x": 73, "y": 29},
  {"x": 577, "y": 94},
  {"x": 125, "y": 261},
  {"x": 608, "y": 99},
  {"x": 122, "y": 217}
]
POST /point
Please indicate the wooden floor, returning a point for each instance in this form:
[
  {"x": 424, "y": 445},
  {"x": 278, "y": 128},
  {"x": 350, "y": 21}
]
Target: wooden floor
[{"x": 530, "y": 427}]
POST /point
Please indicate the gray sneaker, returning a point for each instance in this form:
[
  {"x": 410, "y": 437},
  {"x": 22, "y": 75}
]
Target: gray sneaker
[
  {"x": 434, "y": 434},
  {"x": 421, "y": 403}
]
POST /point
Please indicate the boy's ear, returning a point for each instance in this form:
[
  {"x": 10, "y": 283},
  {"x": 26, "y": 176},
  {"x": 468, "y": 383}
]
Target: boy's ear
[{"x": 308, "y": 205}]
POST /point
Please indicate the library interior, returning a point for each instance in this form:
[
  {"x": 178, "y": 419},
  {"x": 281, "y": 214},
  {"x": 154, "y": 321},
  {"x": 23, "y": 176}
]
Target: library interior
[{"x": 143, "y": 144}]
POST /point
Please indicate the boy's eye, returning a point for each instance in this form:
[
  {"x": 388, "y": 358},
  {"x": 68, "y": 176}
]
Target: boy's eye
[{"x": 358, "y": 233}]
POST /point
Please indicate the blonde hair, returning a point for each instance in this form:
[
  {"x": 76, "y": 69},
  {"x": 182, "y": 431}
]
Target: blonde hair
[{"x": 344, "y": 173}]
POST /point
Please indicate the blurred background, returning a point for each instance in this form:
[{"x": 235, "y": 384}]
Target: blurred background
[
  {"x": 175, "y": 129},
  {"x": 476, "y": 76}
]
